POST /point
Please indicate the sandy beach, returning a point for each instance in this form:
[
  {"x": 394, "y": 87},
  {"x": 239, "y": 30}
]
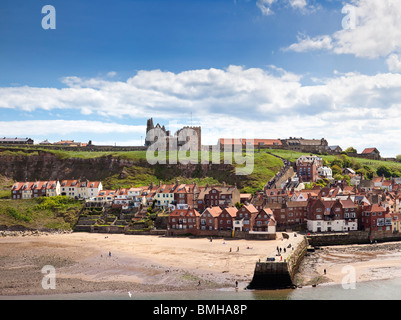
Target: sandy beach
[
  {"x": 88, "y": 262},
  {"x": 351, "y": 263}
]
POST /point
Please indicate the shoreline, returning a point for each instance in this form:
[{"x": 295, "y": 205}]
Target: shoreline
[
  {"x": 88, "y": 262},
  {"x": 155, "y": 264},
  {"x": 346, "y": 263}
]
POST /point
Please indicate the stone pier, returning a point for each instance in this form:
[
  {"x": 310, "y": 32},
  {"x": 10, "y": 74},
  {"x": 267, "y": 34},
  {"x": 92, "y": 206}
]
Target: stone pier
[{"x": 278, "y": 271}]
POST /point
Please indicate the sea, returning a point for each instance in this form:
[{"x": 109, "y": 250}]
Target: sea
[{"x": 389, "y": 289}]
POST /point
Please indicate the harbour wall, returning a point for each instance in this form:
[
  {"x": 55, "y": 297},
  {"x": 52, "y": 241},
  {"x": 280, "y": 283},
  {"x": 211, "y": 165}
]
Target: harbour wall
[
  {"x": 279, "y": 274},
  {"x": 352, "y": 237}
]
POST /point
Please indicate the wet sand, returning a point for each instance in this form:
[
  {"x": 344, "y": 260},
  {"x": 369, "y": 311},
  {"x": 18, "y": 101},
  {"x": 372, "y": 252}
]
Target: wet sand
[
  {"x": 86, "y": 262},
  {"x": 352, "y": 262}
]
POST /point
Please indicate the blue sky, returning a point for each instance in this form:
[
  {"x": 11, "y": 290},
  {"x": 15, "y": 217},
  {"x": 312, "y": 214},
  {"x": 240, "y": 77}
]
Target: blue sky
[{"x": 242, "y": 68}]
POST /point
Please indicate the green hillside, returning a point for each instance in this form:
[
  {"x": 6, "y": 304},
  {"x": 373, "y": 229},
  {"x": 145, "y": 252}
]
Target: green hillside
[
  {"x": 366, "y": 166},
  {"x": 139, "y": 172}
]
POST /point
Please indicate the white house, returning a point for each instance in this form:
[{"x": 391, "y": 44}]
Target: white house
[{"x": 325, "y": 172}]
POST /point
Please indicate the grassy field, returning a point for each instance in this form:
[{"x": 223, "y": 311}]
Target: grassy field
[
  {"x": 264, "y": 167},
  {"x": 374, "y": 164}
]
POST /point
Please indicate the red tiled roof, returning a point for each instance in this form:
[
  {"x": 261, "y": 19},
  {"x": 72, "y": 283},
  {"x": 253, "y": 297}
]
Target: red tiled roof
[
  {"x": 232, "y": 211},
  {"x": 224, "y": 141},
  {"x": 368, "y": 150},
  {"x": 214, "y": 211}
]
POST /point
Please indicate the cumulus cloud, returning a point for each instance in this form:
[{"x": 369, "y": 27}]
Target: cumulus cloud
[
  {"x": 266, "y": 6},
  {"x": 305, "y": 43},
  {"x": 253, "y": 100},
  {"x": 371, "y": 29},
  {"x": 394, "y": 63}
]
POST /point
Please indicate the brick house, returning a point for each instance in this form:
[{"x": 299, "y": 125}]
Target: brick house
[
  {"x": 246, "y": 217},
  {"x": 376, "y": 218},
  {"x": 291, "y": 213},
  {"x": 276, "y": 195},
  {"x": 185, "y": 219},
  {"x": 223, "y": 196},
  {"x": 209, "y": 218},
  {"x": 185, "y": 193},
  {"x": 263, "y": 220},
  {"x": 27, "y": 190},
  {"x": 226, "y": 218},
  {"x": 16, "y": 190},
  {"x": 307, "y": 168},
  {"x": 329, "y": 215}
]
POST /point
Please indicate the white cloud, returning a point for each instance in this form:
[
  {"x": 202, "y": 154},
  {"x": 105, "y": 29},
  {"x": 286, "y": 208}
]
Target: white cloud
[
  {"x": 394, "y": 63},
  {"x": 377, "y": 31},
  {"x": 300, "y": 4},
  {"x": 264, "y": 6},
  {"x": 263, "y": 102},
  {"x": 305, "y": 43},
  {"x": 111, "y": 74},
  {"x": 371, "y": 29}
]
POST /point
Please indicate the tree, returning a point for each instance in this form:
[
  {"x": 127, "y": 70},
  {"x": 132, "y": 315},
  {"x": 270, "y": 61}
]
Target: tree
[
  {"x": 338, "y": 177},
  {"x": 398, "y": 158},
  {"x": 346, "y": 161},
  {"x": 321, "y": 183},
  {"x": 351, "y": 150},
  {"x": 355, "y": 165},
  {"x": 384, "y": 171},
  {"x": 337, "y": 162},
  {"x": 336, "y": 169}
]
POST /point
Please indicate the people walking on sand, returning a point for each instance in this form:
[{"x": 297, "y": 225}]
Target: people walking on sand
[
  {"x": 199, "y": 283},
  {"x": 109, "y": 253},
  {"x": 236, "y": 284}
]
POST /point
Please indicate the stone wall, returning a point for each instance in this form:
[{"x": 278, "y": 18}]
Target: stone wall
[
  {"x": 353, "y": 237},
  {"x": 278, "y": 275},
  {"x": 221, "y": 234}
]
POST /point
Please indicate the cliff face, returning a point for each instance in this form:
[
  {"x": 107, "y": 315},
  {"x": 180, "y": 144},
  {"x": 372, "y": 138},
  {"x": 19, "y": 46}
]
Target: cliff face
[{"x": 47, "y": 166}]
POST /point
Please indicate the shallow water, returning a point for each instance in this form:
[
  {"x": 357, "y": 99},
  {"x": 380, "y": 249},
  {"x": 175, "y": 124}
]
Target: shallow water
[{"x": 370, "y": 290}]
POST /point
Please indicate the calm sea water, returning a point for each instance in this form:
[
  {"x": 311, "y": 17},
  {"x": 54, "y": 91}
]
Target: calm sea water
[{"x": 371, "y": 290}]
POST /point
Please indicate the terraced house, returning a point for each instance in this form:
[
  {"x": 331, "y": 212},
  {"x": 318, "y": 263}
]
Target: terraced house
[
  {"x": 184, "y": 219},
  {"x": 331, "y": 215},
  {"x": 30, "y": 189}
]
